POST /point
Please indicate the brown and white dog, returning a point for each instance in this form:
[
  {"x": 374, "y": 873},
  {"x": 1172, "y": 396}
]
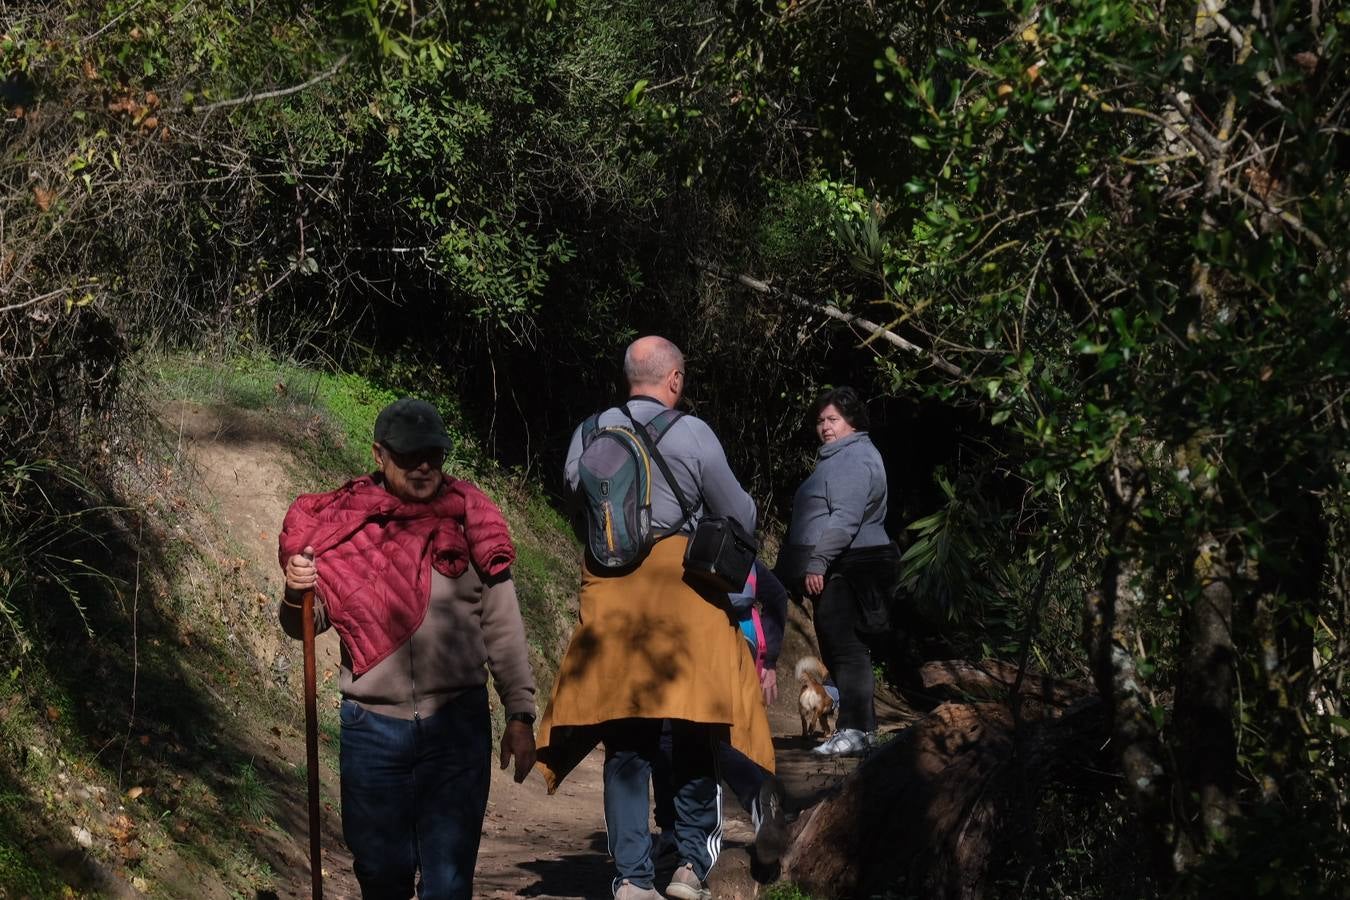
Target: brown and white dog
[{"x": 813, "y": 703}]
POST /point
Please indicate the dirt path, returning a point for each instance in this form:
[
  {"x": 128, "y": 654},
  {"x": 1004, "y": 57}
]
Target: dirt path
[{"x": 533, "y": 845}]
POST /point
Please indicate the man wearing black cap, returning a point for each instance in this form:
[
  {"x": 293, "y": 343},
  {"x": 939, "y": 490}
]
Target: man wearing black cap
[{"x": 412, "y": 567}]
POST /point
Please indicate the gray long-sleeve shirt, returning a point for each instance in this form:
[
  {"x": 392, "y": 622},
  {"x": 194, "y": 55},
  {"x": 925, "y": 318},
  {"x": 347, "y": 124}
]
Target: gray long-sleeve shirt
[
  {"x": 697, "y": 461},
  {"x": 841, "y": 506}
]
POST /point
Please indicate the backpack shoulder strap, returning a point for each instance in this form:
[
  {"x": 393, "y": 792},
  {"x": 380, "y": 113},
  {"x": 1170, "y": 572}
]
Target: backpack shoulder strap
[
  {"x": 588, "y": 429},
  {"x": 660, "y": 423},
  {"x": 645, "y": 436}
]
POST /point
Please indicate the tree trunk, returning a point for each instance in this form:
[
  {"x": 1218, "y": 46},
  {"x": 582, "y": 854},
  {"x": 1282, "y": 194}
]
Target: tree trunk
[
  {"x": 1111, "y": 633},
  {"x": 933, "y": 810},
  {"x": 1203, "y": 716},
  {"x": 1289, "y": 598},
  {"x": 993, "y": 679}
]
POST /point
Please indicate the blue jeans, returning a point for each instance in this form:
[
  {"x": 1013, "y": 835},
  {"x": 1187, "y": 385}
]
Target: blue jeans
[
  {"x": 632, "y": 747},
  {"x": 413, "y": 797}
]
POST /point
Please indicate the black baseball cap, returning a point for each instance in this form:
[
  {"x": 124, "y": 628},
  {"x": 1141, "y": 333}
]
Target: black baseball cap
[{"x": 409, "y": 424}]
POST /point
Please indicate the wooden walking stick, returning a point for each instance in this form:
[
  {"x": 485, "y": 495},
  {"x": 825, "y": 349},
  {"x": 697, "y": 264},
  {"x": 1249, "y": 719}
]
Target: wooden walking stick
[{"x": 312, "y": 743}]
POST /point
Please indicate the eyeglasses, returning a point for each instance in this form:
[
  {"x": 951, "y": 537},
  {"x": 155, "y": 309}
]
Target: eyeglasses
[{"x": 433, "y": 456}]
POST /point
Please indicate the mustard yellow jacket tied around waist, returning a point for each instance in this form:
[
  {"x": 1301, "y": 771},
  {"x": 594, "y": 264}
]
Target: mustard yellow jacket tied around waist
[{"x": 649, "y": 645}]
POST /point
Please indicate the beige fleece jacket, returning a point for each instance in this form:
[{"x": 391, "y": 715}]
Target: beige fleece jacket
[{"x": 470, "y": 628}]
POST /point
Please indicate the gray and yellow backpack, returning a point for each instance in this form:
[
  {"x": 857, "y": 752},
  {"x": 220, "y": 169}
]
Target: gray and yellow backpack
[{"x": 615, "y": 472}]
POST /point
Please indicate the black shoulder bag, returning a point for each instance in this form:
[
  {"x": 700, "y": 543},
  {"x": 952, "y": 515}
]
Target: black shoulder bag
[{"x": 720, "y": 552}]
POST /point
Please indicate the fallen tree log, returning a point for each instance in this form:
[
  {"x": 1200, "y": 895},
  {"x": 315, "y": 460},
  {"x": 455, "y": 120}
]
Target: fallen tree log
[
  {"x": 992, "y": 679},
  {"x": 932, "y": 811}
]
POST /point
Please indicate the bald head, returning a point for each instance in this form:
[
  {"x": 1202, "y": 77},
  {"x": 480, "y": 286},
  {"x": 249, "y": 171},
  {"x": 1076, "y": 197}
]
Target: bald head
[
  {"x": 649, "y": 360},
  {"x": 654, "y": 366}
]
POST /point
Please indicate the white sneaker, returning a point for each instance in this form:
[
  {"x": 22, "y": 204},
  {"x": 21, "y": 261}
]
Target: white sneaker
[{"x": 846, "y": 742}]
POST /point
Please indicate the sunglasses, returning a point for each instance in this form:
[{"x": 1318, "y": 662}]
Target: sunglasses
[{"x": 433, "y": 456}]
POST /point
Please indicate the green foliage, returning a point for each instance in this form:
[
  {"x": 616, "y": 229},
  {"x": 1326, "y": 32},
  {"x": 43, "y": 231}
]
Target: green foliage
[
  {"x": 785, "y": 891},
  {"x": 46, "y": 509},
  {"x": 21, "y": 874},
  {"x": 953, "y": 567},
  {"x": 409, "y": 35},
  {"x": 797, "y": 225},
  {"x": 1274, "y": 854},
  {"x": 1120, "y": 229},
  {"x": 442, "y": 127},
  {"x": 252, "y": 798}
]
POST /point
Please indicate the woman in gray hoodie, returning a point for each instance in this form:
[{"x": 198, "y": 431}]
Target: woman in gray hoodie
[{"x": 838, "y": 553}]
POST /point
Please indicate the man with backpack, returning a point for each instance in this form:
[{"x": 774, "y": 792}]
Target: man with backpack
[{"x": 652, "y": 645}]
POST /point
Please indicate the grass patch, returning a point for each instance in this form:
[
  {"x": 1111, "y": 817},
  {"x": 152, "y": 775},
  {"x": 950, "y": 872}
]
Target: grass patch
[
  {"x": 252, "y": 798},
  {"x": 21, "y": 873},
  {"x": 330, "y": 728},
  {"x": 331, "y": 415},
  {"x": 244, "y": 382}
]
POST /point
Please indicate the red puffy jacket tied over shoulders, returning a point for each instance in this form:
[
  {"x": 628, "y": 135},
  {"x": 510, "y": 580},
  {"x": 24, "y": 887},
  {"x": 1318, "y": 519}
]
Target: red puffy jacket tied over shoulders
[{"x": 374, "y": 554}]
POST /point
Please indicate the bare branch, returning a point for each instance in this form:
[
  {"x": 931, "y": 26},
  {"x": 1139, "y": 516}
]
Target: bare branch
[
  {"x": 50, "y": 295},
  {"x": 1280, "y": 213},
  {"x": 1241, "y": 42},
  {"x": 1204, "y": 147},
  {"x": 1158, "y": 160},
  {"x": 113, "y": 21},
  {"x": 273, "y": 94},
  {"x": 1182, "y": 104},
  {"x": 835, "y": 313}
]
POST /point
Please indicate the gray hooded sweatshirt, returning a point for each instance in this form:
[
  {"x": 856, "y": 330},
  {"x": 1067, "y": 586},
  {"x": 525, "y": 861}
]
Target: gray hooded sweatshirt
[{"x": 841, "y": 506}]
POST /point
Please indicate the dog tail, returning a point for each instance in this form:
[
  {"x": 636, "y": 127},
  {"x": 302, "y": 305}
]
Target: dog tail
[{"x": 811, "y": 669}]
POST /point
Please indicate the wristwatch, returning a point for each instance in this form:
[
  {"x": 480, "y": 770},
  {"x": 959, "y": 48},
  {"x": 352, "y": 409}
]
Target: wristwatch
[{"x": 527, "y": 718}]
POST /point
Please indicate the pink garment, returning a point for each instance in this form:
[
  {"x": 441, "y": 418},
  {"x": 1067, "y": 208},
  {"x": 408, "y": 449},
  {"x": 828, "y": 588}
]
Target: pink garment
[{"x": 374, "y": 554}]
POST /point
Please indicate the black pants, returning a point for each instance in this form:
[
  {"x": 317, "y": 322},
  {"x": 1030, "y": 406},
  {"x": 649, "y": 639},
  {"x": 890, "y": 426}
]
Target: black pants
[
  {"x": 845, "y": 654},
  {"x": 842, "y": 648}
]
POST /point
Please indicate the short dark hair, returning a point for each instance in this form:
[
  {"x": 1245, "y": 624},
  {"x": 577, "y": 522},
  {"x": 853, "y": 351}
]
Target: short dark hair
[{"x": 847, "y": 401}]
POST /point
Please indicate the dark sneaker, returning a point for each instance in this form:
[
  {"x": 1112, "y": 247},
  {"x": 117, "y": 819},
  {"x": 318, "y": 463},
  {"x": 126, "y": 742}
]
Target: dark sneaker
[
  {"x": 771, "y": 832},
  {"x": 665, "y": 850},
  {"x": 684, "y": 885}
]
